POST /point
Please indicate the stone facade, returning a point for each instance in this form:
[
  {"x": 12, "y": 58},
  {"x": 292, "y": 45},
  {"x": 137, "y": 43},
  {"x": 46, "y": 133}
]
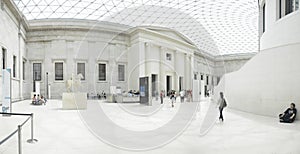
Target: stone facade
[{"x": 141, "y": 51}]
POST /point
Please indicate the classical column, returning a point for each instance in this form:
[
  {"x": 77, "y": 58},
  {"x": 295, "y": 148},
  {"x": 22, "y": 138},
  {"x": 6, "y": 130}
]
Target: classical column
[
  {"x": 177, "y": 69},
  {"x": 162, "y": 75},
  {"x": 142, "y": 58},
  {"x": 112, "y": 74}
]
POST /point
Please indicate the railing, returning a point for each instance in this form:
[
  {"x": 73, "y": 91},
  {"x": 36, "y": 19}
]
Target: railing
[{"x": 19, "y": 131}]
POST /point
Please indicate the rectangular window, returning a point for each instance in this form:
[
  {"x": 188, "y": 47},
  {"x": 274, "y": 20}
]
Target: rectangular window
[
  {"x": 195, "y": 76},
  {"x": 3, "y": 58},
  {"x": 207, "y": 80},
  {"x": 201, "y": 76},
  {"x": 289, "y": 5},
  {"x": 37, "y": 71},
  {"x": 23, "y": 68},
  {"x": 169, "y": 56},
  {"x": 121, "y": 72},
  {"x": 280, "y": 8},
  {"x": 14, "y": 66},
  {"x": 264, "y": 18},
  {"x": 59, "y": 71},
  {"x": 102, "y": 72},
  {"x": 296, "y": 5},
  {"x": 81, "y": 69}
]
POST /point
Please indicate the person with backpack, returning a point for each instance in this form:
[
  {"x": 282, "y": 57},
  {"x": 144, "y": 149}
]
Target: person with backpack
[{"x": 222, "y": 104}]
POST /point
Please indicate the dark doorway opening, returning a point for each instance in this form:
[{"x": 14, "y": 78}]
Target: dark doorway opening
[
  {"x": 154, "y": 84},
  {"x": 169, "y": 84},
  {"x": 180, "y": 83}
]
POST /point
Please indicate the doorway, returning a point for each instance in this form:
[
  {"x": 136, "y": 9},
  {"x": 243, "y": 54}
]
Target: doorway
[
  {"x": 169, "y": 84},
  {"x": 154, "y": 84},
  {"x": 180, "y": 83}
]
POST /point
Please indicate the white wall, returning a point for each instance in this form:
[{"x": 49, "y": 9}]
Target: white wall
[
  {"x": 12, "y": 39},
  {"x": 285, "y": 31},
  {"x": 269, "y": 82}
]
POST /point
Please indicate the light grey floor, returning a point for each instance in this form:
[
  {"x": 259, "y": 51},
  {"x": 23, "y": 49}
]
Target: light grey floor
[{"x": 134, "y": 128}]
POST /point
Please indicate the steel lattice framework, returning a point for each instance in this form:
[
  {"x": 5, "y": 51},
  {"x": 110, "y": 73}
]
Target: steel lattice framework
[{"x": 217, "y": 27}]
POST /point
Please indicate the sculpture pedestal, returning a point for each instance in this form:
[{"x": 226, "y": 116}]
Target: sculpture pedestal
[{"x": 74, "y": 101}]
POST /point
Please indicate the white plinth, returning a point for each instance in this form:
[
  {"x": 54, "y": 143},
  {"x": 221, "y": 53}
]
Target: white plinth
[{"x": 74, "y": 101}]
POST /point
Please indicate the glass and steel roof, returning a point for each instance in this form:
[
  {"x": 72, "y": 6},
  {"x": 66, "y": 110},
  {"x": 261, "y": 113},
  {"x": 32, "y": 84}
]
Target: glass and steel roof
[{"x": 217, "y": 27}]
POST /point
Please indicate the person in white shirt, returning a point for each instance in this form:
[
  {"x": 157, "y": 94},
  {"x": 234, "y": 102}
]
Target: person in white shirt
[{"x": 181, "y": 96}]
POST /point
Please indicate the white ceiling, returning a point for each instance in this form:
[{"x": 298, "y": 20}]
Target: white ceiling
[{"x": 217, "y": 27}]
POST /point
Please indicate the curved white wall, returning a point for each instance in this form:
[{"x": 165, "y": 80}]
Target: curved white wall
[{"x": 270, "y": 81}]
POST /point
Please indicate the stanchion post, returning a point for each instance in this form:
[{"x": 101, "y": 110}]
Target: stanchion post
[
  {"x": 32, "y": 140},
  {"x": 19, "y": 139}
]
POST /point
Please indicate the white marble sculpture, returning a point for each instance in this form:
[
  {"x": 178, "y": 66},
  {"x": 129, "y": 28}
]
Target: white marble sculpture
[{"x": 74, "y": 83}]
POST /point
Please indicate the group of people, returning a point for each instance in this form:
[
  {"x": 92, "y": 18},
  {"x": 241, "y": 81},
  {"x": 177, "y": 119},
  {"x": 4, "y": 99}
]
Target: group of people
[
  {"x": 133, "y": 93},
  {"x": 173, "y": 95},
  {"x": 288, "y": 116},
  {"x": 102, "y": 95},
  {"x": 37, "y": 100}
]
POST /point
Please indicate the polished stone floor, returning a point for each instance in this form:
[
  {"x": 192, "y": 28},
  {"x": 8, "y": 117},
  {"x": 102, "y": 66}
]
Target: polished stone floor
[{"x": 134, "y": 128}]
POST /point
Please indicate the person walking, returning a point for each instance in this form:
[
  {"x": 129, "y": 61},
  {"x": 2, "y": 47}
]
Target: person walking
[
  {"x": 173, "y": 98},
  {"x": 222, "y": 104},
  {"x": 161, "y": 97}
]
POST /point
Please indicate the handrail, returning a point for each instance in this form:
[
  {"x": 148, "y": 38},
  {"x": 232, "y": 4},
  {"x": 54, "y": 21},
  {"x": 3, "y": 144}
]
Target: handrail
[
  {"x": 9, "y": 136},
  {"x": 31, "y": 140},
  {"x": 25, "y": 121},
  {"x": 23, "y": 114}
]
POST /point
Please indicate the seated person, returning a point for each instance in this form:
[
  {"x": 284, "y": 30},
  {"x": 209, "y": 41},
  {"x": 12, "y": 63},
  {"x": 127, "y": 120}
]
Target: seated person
[
  {"x": 34, "y": 100},
  {"x": 289, "y": 114},
  {"x": 136, "y": 93},
  {"x": 42, "y": 100}
]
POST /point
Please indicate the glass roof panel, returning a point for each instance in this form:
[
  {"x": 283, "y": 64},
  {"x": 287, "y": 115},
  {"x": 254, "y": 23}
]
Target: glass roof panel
[{"x": 217, "y": 27}]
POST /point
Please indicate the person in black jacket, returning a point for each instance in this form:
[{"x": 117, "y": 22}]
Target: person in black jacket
[
  {"x": 222, "y": 104},
  {"x": 289, "y": 114}
]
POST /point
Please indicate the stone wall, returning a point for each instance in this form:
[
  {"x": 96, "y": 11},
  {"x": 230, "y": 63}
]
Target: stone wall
[{"x": 12, "y": 40}]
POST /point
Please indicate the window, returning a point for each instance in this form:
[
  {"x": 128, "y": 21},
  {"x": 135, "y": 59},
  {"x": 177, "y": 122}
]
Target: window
[
  {"x": 59, "y": 71},
  {"x": 102, "y": 72},
  {"x": 207, "y": 80},
  {"x": 3, "y": 58},
  {"x": 289, "y": 6},
  {"x": 286, "y": 7},
  {"x": 14, "y": 66},
  {"x": 121, "y": 72},
  {"x": 81, "y": 69},
  {"x": 37, "y": 71},
  {"x": 169, "y": 56},
  {"x": 195, "y": 76},
  {"x": 264, "y": 18},
  {"x": 280, "y": 8},
  {"x": 201, "y": 77},
  {"x": 23, "y": 68}
]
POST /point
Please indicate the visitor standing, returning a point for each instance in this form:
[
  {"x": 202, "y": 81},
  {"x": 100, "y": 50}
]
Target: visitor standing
[
  {"x": 182, "y": 96},
  {"x": 161, "y": 97}
]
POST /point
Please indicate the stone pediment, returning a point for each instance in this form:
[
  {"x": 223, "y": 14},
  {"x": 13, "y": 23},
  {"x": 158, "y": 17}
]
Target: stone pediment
[{"x": 171, "y": 33}]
